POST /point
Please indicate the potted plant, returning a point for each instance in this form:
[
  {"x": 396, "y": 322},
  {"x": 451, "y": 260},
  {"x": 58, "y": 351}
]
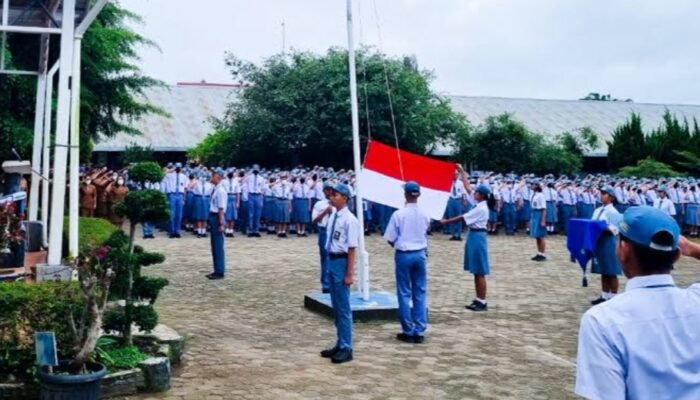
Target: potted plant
[{"x": 79, "y": 378}]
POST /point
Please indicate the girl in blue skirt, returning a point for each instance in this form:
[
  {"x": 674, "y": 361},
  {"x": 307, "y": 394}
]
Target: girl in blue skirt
[
  {"x": 269, "y": 207},
  {"x": 188, "y": 214},
  {"x": 551, "y": 196},
  {"x": 538, "y": 221},
  {"x": 691, "y": 211},
  {"x": 301, "y": 206},
  {"x": 476, "y": 251},
  {"x": 605, "y": 260},
  {"x": 282, "y": 193}
]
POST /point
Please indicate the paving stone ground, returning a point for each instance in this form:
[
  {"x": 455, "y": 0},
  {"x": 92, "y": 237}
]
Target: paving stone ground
[{"x": 251, "y": 338}]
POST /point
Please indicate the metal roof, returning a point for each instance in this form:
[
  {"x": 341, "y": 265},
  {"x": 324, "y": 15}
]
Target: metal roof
[
  {"x": 35, "y": 13},
  {"x": 192, "y": 105}
]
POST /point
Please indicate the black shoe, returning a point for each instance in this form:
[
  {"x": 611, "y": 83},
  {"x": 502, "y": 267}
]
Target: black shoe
[
  {"x": 584, "y": 282},
  {"x": 328, "y": 353},
  {"x": 598, "y": 301},
  {"x": 477, "y": 306},
  {"x": 304, "y": 235},
  {"x": 256, "y": 234},
  {"x": 405, "y": 338},
  {"x": 325, "y": 291},
  {"x": 215, "y": 276},
  {"x": 251, "y": 235},
  {"x": 171, "y": 236},
  {"x": 539, "y": 258},
  {"x": 418, "y": 339},
  {"x": 342, "y": 356},
  {"x": 456, "y": 238}
]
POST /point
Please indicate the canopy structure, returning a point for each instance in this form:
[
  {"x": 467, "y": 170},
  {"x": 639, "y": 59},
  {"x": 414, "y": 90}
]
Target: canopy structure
[{"x": 69, "y": 20}]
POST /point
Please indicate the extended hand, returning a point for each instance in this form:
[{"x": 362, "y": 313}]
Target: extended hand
[
  {"x": 348, "y": 280},
  {"x": 444, "y": 221}
]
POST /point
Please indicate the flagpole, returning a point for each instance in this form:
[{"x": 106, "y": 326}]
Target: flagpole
[{"x": 363, "y": 256}]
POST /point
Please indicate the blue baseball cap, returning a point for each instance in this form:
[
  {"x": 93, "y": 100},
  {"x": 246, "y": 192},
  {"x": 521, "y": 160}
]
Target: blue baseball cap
[
  {"x": 412, "y": 187},
  {"x": 641, "y": 224},
  {"x": 342, "y": 189},
  {"x": 609, "y": 190},
  {"x": 483, "y": 189}
]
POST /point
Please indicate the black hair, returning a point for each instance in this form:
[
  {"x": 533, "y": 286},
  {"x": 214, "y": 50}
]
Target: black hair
[
  {"x": 302, "y": 180},
  {"x": 314, "y": 177},
  {"x": 538, "y": 188},
  {"x": 230, "y": 175},
  {"x": 491, "y": 202},
  {"x": 241, "y": 174},
  {"x": 653, "y": 261},
  {"x": 191, "y": 176}
]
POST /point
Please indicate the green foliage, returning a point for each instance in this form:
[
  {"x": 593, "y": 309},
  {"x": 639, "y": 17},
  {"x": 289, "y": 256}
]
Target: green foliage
[
  {"x": 688, "y": 160},
  {"x": 668, "y": 138},
  {"x": 297, "y": 109},
  {"x": 593, "y": 96},
  {"x": 116, "y": 357},
  {"x": 144, "y": 316},
  {"x": 136, "y": 154},
  {"x": 111, "y": 86},
  {"x": 649, "y": 168},
  {"x": 147, "y": 205},
  {"x": 628, "y": 144},
  {"x": 504, "y": 144},
  {"x": 146, "y": 171},
  {"x": 25, "y": 309},
  {"x": 92, "y": 232}
]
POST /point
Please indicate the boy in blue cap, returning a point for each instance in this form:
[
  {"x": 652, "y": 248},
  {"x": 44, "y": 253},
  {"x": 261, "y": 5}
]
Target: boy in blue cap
[
  {"x": 476, "y": 252},
  {"x": 407, "y": 234},
  {"x": 341, "y": 244},
  {"x": 643, "y": 344}
]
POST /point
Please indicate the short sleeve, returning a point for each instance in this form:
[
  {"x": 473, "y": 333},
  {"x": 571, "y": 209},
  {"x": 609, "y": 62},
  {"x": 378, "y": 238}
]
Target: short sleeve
[
  {"x": 599, "y": 370},
  {"x": 353, "y": 233},
  {"x": 392, "y": 229},
  {"x": 471, "y": 216}
]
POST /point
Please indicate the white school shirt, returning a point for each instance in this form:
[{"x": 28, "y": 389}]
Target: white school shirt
[
  {"x": 457, "y": 191},
  {"x": 319, "y": 207},
  {"x": 231, "y": 186},
  {"x": 344, "y": 232},
  {"x": 550, "y": 194},
  {"x": 610, "y": 215},
  {"x": 507, "y": 195},
  {"x": 175, "y": 183},
  {"x": 301, "y": 191},
  {"x": 673, "y": 195},
  {"x": 477, "y": 217},
  {"x": 218, "y": 199},
  {"x": 642, "y": 344},
  {"x": 255, "y": 184},
  {"x": 318, "y": 190},
  {"x": 665, "y": 205},
  {"x": 567, "y": 196},
  {"x": 408, "y": 228},
  {"x": 538, "y": 201}
]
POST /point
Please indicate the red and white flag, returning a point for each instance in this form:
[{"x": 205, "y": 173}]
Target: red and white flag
[{"x": 387, "y": 168}]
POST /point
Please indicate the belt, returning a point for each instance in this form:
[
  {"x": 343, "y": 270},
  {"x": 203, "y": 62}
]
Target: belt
[
  {"x": 321, "y": 227},
  {"x": 410, "y": 251},
  {"x": 198, "y": 195},
  {"x": 477, "y": 230},
  {"x": 281, "y": 198},
  {"x": 233, "y": 194},
  {"x": 337, "y": 256},
  {"x": 254, "y": 194}
]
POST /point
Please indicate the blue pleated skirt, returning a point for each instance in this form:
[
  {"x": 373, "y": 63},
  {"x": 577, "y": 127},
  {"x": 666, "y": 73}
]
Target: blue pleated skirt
[
  {"x": 201, "y": 208},
  {"x": 231, "y": 210},
  {"x": 493, "y": 216},
  {"x": 536, "y": 229},
  {"x": 551, "y": 212},
  {"x": 691, "y": 214},
  {"x": 476, "y": 253},
  {"x": 301, "y": 211},
  {"x": 188, "y": 213},
  {"x": 269, "y": 207},
  {"x": 281, "y": 211},
  {"x": 605, "y": 261}
]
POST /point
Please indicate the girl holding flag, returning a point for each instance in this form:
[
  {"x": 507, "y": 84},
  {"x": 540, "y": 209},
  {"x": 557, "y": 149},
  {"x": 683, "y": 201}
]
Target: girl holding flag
[{"x": 476, "y": 252}]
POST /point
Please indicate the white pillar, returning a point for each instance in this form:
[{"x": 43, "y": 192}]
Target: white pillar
[
  {"x": 62, "y": 126},
  {"x": 36, "y": 149},
  {"x": 362, "y": 256},
  {"x": 45, "y": 188},
  {"x": 74, "y": 200}
]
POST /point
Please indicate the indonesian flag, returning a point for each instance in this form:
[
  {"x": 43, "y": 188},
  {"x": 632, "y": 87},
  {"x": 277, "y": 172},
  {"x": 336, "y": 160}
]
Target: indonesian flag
[{"x": 382, "y": 180}]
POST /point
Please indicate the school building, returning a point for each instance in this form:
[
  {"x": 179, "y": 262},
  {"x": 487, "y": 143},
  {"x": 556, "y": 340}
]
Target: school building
[{"x": 191, "y": 107}]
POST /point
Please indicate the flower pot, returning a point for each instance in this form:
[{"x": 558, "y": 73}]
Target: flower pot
[{"x": 62, "y": 386}]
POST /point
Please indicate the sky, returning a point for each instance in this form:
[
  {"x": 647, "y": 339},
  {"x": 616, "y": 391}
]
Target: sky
[{"x": 646, "y": 50}]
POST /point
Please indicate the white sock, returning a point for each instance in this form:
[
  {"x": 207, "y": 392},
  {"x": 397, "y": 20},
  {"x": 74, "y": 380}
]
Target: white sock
[
  {"x": 611, "y": 295},
  {"x": 604, "y": 295},
  {"x": 482, "y": 301}
]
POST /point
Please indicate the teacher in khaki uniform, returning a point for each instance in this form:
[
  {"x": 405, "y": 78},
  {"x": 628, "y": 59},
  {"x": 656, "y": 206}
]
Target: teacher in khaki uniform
[
  {"x": 407, "y": 234},
  {"x": 341, "y": 244},
  {"x": 217, "y": 222}
]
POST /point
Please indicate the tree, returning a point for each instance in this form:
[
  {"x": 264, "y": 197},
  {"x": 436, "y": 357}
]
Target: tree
[
  {"x": 296, "y": 108},
  {"x": 628, "y": 144},
  {"x": 501, "y": 144},
  {"x": 580, "y": 142},
  {"x": 593, "y": 96},
  {"x": 111, "y": 89},
  {"x": 664, "y": 141},
  {"x": 135, "y": 154},
  {"x": 649, "y": 168},
  {"x": 145, "y": 205}
]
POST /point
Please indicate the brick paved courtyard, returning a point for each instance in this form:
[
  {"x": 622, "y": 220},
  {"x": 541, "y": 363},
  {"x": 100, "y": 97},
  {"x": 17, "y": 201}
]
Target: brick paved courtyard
[{"x": 251, "y": 338}]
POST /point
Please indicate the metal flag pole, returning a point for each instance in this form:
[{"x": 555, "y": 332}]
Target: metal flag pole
[{"x": 363, "y": 257}]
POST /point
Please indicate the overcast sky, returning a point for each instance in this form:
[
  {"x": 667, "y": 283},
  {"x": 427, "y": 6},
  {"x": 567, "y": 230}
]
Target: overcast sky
[{"x": 647, "y": 50}]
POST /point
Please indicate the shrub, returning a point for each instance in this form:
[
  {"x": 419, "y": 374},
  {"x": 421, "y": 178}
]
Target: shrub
[
  {"x": 649, "y": 168},
  {"x": 26, "y": 309},
  {"x": 91, "y": 232},
  {"x": 116, "y": 357}
]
